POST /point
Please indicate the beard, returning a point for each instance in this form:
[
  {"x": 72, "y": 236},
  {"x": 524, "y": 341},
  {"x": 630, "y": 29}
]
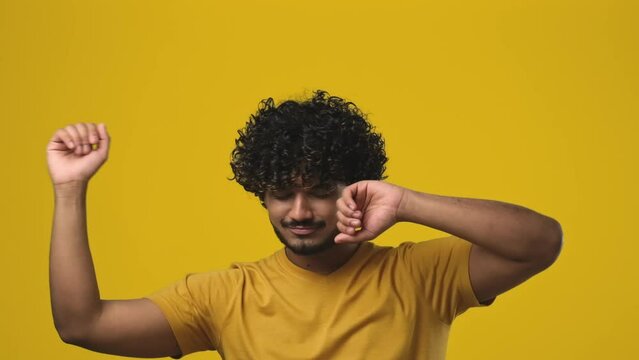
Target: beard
[{"x": 308, "y": 246}]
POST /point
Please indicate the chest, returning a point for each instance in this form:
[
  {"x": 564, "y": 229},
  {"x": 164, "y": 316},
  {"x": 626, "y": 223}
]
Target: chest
[{"x": 281, "y": 319}]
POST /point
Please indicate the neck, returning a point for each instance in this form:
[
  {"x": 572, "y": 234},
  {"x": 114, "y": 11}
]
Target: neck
[{"x": 326, "y": 261}]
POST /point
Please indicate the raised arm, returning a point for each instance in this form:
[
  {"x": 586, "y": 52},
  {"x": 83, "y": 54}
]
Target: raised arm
[
  {"x": 133, "y": 327},
  {"x": 510, "y": 243}
]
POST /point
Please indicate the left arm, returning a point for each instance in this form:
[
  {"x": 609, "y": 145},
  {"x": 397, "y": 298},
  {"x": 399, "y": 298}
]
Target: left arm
[
  {"x": 510, "y": 243},
  {"x": 509, "y": 231}
]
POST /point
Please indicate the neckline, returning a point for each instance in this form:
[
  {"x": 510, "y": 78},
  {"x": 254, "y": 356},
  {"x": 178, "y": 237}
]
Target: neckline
[{"x": 309, "y": 275}]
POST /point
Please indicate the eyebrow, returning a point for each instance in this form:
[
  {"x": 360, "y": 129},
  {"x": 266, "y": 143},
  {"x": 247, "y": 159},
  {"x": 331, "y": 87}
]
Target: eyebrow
[{"x": 315, "y": 187}]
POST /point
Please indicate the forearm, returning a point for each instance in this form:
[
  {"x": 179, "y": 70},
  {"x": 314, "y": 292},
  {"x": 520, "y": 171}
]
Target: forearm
[
  {"x": 509, "y": 230},
  {"x": 75, "y": 298}
]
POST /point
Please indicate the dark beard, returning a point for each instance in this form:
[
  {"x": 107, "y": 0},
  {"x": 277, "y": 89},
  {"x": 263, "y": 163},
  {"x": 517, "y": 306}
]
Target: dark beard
[{"x": 306, "y": 249}]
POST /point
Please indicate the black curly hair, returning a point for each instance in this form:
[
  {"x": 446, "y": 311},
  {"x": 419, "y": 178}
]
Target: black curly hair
[{"x": 323, "y": 140}]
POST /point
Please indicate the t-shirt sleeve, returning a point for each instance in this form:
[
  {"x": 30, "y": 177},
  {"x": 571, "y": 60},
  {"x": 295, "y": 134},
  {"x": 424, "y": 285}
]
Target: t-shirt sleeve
[
  {"x": 440, "y": 266},
  {"x": 185, "y": 306}
]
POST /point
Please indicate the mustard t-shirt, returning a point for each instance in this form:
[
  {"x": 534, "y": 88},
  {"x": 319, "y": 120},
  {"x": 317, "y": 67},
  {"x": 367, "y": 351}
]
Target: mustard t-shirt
[{"x": 383, "y": 303}]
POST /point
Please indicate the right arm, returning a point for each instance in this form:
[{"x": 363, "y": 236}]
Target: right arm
[{"x": 135, "y": 327}]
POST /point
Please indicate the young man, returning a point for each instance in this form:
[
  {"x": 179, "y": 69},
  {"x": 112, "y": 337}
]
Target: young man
[{"x": 317, "y": 167}]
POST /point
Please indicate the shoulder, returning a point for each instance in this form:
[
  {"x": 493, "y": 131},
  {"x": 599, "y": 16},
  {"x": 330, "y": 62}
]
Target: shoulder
[
  {"x": 202, "y": 284},
  {"x": 262, "y": 268},
  {"x": 260, "y": 264},
  {"x": 436, "y": 247},
  {"x": 408, "y": 252},
  {"x": 434, "y": 257}
]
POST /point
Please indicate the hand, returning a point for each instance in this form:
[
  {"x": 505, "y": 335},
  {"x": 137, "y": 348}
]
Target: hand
[
  {"x": 70, "y": 154},
  {"x": 371, "y": 205}
]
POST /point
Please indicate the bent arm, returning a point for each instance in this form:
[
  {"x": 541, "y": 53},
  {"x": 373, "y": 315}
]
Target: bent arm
[
  {"x": 135, "y": 327},
  {"x": 510, "y": 243},
  {"x": 510, "y": 231}
]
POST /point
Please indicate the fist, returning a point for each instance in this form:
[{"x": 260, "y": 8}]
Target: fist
[
  {"x": 366, "y": 209},
  {"x": 76, "y": 152}
]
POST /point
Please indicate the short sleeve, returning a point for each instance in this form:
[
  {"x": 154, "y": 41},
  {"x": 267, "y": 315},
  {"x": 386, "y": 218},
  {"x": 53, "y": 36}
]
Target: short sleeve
[
  {"x": 184, "y": 304},
  {"x": 440, "y": 266}
]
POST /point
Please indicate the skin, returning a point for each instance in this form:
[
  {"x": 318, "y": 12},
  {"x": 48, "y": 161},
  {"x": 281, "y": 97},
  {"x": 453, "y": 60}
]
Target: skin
[
  {"x": 510, "y": 243},
  {"x": 131, "y": 327}
]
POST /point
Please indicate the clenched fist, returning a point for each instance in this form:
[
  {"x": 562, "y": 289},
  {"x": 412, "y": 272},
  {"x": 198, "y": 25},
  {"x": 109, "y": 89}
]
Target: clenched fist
[
  {"x": 373, "y": 206},
  {"x": 71, "y": 155}
]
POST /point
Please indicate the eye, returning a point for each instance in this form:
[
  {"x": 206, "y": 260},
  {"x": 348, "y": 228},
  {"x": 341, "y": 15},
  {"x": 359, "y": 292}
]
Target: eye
[
  {"x": 323, "y": 192},
  {"x": 281, "y": 195}
]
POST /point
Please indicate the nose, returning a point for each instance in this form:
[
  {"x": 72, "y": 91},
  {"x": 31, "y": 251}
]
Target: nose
[{"x": 301, "y": 209}]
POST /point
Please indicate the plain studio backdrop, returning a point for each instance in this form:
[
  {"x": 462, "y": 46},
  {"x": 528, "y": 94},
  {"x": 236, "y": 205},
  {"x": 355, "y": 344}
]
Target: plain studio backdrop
[{"x": 529, "y": 102}]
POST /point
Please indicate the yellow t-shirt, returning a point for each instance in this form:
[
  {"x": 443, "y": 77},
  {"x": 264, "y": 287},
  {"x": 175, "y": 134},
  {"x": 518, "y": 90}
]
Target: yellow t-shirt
[{"x": 384, "y": 303}]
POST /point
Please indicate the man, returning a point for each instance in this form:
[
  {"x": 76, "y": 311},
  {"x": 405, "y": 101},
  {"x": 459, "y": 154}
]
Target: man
[{"x": 317, "y": 167}]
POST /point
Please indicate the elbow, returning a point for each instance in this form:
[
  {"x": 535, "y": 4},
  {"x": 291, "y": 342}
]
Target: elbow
[
  {"x": 553, "y": 243},
  {"x": 71, "y": 335},
  {"x": 68, "y": 337},
  {"x": 73, "y": 328}
]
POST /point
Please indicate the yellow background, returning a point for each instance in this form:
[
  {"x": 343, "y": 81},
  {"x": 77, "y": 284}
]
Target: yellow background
[{"x": 529, "y": 102}]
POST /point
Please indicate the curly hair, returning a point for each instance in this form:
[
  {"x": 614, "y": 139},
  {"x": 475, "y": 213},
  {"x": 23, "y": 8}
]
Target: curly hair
[{"x": 322, "y": 140}]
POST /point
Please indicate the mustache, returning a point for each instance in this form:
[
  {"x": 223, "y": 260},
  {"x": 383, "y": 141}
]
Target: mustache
[{"x": 304, "y": 223}]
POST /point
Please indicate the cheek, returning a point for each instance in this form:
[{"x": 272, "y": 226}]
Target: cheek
[
  {"x": 329, "y": 214},
  {"x": 274, "y": 216}
]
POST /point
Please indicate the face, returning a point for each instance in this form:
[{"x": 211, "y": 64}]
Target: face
[{"x": 304, "y": 218}]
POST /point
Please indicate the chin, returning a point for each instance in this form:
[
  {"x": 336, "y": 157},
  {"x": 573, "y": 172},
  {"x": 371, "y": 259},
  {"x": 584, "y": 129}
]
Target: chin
[
  {"x": 300, "y": 246},
  {"x": 305, "y": 248}
]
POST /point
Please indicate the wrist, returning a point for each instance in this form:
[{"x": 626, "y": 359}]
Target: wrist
[
  {"x": 418, "y": 207},
  {"x": 405, "y": 205},
  {"x": 70, "y": 189}
]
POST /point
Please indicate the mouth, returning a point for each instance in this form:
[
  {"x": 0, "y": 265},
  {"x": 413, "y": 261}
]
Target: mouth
[{"x": 302, "y": 230}]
